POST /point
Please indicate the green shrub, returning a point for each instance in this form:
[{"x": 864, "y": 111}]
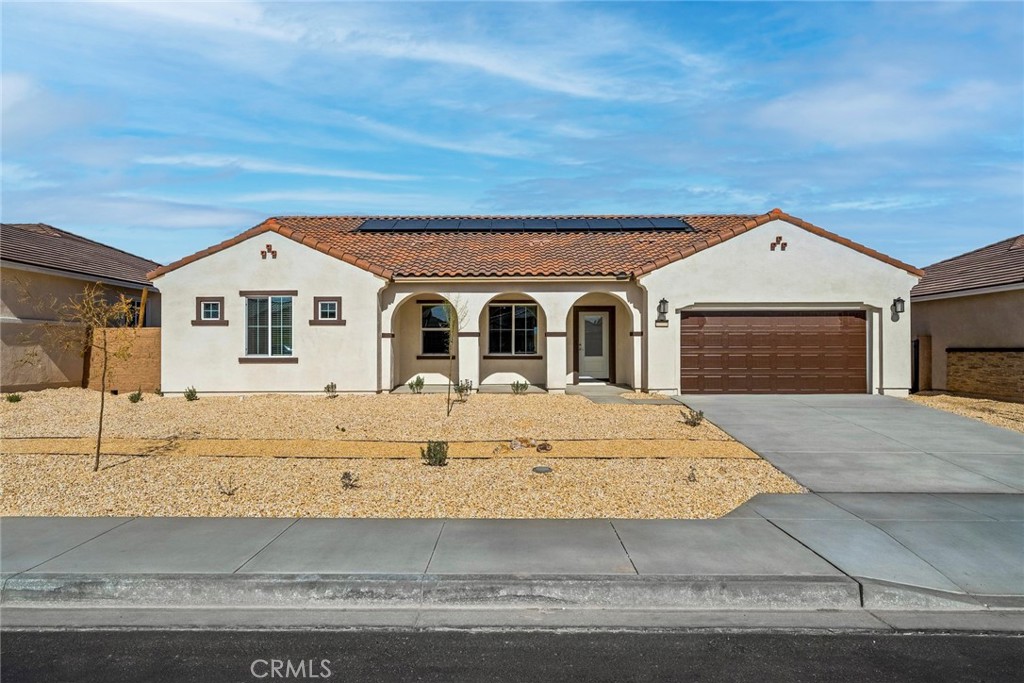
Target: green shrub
[
  {"x": 463, "y": 389},
  {"x": 435, "y": 454},
  {"x": 135, "y": 396},
  {"x": 191, "y": 394},
  {"x": 694, "y": 418},
  {"x": 349, "y": 480},
  {"x": 416, "y": 385},
  {"x": 519, "y": 387},
  {"x": 158, "y": 392},
  {"x": 13, "y": 398},
  {"x": 331, "y": 390}
]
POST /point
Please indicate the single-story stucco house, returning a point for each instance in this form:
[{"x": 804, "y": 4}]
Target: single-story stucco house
[
  {"x": 42, "y": 268},
  {"x": 692, "y": 303},
  {"x": 968, "y": 324}
]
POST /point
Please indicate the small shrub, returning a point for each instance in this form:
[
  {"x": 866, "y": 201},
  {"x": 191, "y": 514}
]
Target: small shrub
[
  {"x": 135, "y": 396},
  {"x": 191, "y": 394},
  {"x": 331, "y": 390},
  {"x": 464, "y": 389},
  {"x": 519, "y": 387},
  {"x": 13, "y": 398},
  {"x": 349, "y": 480},
  {"x": 159, "y": 392},
  {"x": 435, "y": 454},
  {"x": 416, "y": 385},
  {"x": 692, "y": 476},
  {"x": 694, "y": 418},
  {"x": 229, "y": 488}
]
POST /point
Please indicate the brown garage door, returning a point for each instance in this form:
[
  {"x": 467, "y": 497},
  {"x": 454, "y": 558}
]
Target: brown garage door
[{"x": 784, "y": 352}]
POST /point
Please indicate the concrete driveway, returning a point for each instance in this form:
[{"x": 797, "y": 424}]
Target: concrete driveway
[{"x": 871, "y": 444}]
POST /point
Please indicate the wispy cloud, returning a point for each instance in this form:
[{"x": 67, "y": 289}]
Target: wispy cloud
[{"x": 265, "y": 166}]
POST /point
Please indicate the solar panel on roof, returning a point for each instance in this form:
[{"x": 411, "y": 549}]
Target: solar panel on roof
[
  {"x": 377, "y": 224},
  {"x": 572, "y": 224},
  {"x": 603, "y": 224},
  {"x": 475, "y": 224},
  {"x": 669, "y": 223},
  {"x": 506, "y": 224},
  {"x": 635, "y": 223},
  {"x": 444, "y": 224},
  {"x": 411, "y": 224},
  {"x": 539, "y": 224}
]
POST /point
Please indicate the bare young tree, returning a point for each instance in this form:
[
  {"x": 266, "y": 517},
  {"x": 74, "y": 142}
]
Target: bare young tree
[
  {"x": 456, "y": 312},
  {"x": 82, "y": 326}
]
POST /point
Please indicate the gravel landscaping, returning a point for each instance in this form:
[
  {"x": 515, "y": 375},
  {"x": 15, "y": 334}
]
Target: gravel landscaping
[
  {"x": 1004, "y": 414},
  {"x": 277, "y": 487},
  {"x": 383, "y": 417}
]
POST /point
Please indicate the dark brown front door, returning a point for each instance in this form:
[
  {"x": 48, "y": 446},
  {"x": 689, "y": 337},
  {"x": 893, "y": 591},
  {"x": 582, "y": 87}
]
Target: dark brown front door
[{"x": 779, "y": 352}]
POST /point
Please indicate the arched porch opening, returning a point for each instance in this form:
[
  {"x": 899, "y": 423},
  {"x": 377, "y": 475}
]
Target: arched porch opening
[
  {"x": 600, "y": 341},
  {"x": 422, "y": 345},
  {"x": 512, "y": 341}
]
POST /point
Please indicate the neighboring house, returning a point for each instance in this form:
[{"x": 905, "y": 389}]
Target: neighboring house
[
  {"x": 728, "y": 303},
  {"x": 968, "y": 322},
  {"x": 42, "y": 267}
]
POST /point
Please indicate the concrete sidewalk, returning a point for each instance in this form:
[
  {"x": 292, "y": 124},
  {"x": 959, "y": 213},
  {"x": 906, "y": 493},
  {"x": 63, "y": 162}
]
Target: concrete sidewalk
[{"x": 807, "y": 554}]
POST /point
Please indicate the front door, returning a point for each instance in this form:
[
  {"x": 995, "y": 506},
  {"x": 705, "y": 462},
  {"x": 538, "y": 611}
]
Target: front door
[{"x": 592, "y": 345}]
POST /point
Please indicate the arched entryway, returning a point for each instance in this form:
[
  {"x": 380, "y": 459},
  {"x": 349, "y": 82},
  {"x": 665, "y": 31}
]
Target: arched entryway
[
  {"x": 599, "y": 340},
  {"x": 512, "y": 341},
  {"x": 422, "y": 344}
]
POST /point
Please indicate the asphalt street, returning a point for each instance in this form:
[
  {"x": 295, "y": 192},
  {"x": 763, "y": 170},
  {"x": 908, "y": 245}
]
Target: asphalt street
[{"x": 483, "y": 656}]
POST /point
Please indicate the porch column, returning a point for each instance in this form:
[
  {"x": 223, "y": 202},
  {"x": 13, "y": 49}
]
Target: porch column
[
  {"x": 469, "y": 357},
  {"x": 554, "y": 359},
  {"x": 637, "y": 338},
  {"x": 386, "y": 361}
]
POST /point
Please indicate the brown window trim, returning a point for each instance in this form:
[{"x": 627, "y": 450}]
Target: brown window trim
[
  {"x": 516, "y": 356},
  {"x": 555, "y": 334},
  {"x": 576, "y": 310},
  {"x": 317, "y": 320},
  {"x": 469, "y": 335},
  {"x": 268, "y": 292},
  {"x": 430, "y": 301},
  {"x": 218, "y": 322},
  {"x": 434, "y": 356},
  {"x": 261, "y": 360},
  {"x": 636, "y": 334}
]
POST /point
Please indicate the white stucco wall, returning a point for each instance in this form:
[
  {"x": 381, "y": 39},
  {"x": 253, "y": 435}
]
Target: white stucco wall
[
  {"x": 814, "y": 272},
  {"x": 207, "y": 356}
]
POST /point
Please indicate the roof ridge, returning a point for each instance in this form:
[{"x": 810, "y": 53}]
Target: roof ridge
[
  {"x": 86, "y": 239},
  {"x": 974, "y": 251}
]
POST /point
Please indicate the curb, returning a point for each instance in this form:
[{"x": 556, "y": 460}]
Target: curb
[{"x": 431, "y": 590}]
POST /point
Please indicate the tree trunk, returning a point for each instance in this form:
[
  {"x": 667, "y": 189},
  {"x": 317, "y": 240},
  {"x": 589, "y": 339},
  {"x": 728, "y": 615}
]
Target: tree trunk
[{"x": 103, "y": 401}]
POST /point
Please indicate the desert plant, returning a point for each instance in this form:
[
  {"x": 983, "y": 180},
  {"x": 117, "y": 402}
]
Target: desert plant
[
  {"x": 416, "y": 384},
  {"x": 191, "y": 394},
  {"x": 435, "y": 454},
  {"x": 13, "y": 398},
  {"x": 349, "y": 480},
  {"x": 692, "y": 476},
  {"x": 331, "y": 390},
  {"x": 228, "y": 488},
  {"x": 159, "y": 392},
  {"x": 693, "y": 418},
  {"x": 519, "y": 387},
  {"x": 135, "y": 396},
  {"x": 464, "y": 389}
]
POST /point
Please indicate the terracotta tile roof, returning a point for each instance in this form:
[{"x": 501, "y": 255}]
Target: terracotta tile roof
[
  {"x": 996, "y": 265},
  {"x": 513, "y": 254},
  {"x": 44, "y": 246}
]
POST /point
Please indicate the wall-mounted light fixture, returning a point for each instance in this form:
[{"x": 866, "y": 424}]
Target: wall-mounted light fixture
[
  {"x": 662, "y": 318},
  {"x": 898, "y": 306}
]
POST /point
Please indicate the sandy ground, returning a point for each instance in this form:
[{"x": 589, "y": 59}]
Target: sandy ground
[
  {"x": 484, "y": 417},
  {"x": 999, "y": 413},
  {"x": 495, "y": 488}
]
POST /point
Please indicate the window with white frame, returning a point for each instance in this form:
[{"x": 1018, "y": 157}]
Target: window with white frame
[
  {"x": 210, "y": 310},
  {"x": 268, "y": 326},
  {"x": 434, "y": 330},
  {"x": 512, "y": 329},
  {"x": 327, "y": 310}
]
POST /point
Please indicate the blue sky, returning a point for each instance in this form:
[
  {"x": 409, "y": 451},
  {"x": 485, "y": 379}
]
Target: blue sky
[{"x": 164, "y": 128}]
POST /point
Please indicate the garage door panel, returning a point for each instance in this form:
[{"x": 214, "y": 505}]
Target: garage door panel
[{"x": 774, "y": 352}]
